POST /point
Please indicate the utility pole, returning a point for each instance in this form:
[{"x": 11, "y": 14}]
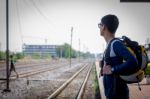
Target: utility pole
[
  {"x": 71, "y": 45},
  {"x": 61, "y": 51},
  {"x": 0, "y": 46},
  {"x": 79, "y": 49},
  {"x": 7, "y": 47},
  {"x": 45, "y": 41}
]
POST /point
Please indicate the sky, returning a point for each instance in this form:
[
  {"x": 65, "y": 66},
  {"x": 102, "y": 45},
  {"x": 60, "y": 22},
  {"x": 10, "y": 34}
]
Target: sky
[{"x": 50, "y": 22}]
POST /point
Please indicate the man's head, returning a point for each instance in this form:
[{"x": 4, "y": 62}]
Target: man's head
[{"x": 108, "y": 23}]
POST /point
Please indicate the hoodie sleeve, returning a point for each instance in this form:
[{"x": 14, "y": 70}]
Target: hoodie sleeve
[{"x": 130, "y": 63}]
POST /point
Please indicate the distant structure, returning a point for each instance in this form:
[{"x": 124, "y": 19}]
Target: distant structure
[
  {"x": 40, "y": 49},
  {"x": 99, "y": 56},
  {"x": 147, "y": 47}
]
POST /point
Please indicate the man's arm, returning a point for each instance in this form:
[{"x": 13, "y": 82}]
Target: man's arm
[{"x": 130, "y": 63}]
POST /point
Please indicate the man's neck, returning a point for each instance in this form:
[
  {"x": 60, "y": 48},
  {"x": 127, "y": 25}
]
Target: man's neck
[{"x": 108, "y": 38}]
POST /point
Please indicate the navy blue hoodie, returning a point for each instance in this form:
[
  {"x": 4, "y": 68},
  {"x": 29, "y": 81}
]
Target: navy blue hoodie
[{"x": 114, "y": 86}]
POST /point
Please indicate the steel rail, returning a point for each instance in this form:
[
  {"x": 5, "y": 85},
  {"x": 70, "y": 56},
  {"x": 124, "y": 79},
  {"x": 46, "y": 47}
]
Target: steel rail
[
  {"x": 81, "y": 91},
  {"x": 54, "y": 94}
]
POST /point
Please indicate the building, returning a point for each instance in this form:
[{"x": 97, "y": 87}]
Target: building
[{"x": 40, "y": 49}]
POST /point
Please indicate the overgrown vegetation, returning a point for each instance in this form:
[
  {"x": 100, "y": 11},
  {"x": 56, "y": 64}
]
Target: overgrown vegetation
[
  {"x": 65, "y": 52},
  {"x": 96, "y": 85},
  {"x": 2, "y": 55},
  {"x": 17, "y": 56},
  {"x": 40, "y": 56}
]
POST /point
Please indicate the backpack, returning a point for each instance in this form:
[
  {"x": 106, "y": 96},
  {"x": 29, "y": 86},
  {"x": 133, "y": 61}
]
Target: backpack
[{"x": 140, "y": 54}]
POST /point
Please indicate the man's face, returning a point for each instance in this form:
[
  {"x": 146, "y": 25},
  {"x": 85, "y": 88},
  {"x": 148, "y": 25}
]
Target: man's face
[{"x": 101, "y": 27}]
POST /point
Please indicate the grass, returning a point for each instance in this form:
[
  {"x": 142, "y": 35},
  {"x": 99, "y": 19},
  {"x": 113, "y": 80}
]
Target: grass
[{"x": 96, "y": 85}]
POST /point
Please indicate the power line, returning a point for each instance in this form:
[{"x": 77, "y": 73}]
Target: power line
[
  {"x": 43, "y": 15},
  {"x": 26, "y": 3},
  {"x": 19, "y": 22},
  {"x": 37, "y": 9}
]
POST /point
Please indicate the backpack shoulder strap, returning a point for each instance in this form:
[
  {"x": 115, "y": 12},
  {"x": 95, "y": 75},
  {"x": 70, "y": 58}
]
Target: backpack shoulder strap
[
  {"x": 109, "y": 52},
  {"x": 112, "y": 52}
]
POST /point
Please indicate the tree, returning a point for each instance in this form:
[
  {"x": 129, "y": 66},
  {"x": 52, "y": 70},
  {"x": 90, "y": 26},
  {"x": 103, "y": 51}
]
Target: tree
[{"x": 64, "y": 51}]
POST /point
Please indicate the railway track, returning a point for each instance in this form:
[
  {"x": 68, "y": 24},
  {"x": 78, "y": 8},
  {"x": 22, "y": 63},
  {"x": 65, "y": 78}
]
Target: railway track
[
  {"x": 38, "y": 71},
  {"x": 25, "y": 65},
  {"x": 74, "y": 87},
  {"x": 34, "y": 67},
  {"x": 44, "y": 83},
  {"x": 41, "y": 70}
]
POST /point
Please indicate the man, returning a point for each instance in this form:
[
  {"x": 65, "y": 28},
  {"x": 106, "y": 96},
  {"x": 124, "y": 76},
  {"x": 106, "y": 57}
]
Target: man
[
  {"x": 12, "y": 66},
  {"x": 112, "y": 67}
]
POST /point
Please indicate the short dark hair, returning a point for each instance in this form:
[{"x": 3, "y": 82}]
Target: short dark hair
[{"x": 111, "y": 22}]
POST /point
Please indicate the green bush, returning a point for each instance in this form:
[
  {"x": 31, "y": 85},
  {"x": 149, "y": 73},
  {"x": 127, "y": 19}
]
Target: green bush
[
  {"x": 2, "y": 55},
  {"x": 147, "y": 71}
]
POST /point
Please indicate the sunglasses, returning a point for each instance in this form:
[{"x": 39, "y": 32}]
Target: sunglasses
[{"x": 99, "y": 25}]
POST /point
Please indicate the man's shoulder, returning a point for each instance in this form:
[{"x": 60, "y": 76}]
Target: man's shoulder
[{"x": 117, "y": 43}]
